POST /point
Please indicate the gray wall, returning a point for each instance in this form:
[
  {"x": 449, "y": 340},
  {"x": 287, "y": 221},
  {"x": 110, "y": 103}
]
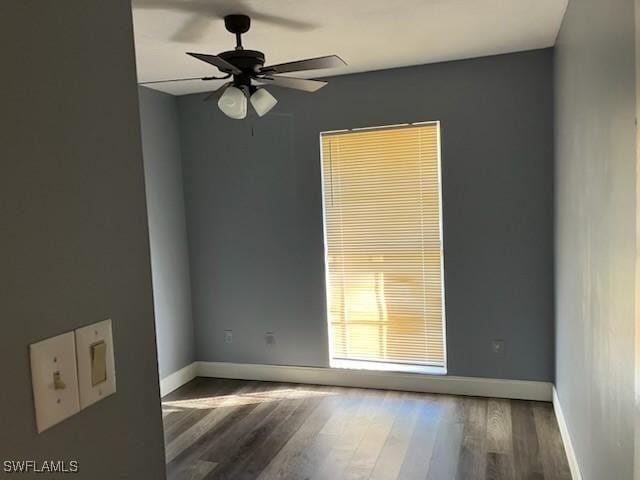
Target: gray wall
[
  {"x": 254, "y": 212},
  {"x": 595, "y": 225},
  {"x": 74, "y": 247},
  {"x": 167, "y": 230}
]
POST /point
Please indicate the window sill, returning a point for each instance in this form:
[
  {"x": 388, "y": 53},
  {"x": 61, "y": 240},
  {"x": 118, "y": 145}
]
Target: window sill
[{"x": 387, "y": 367}]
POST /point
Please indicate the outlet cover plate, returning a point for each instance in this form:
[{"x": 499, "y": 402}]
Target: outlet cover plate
[
  {"x": 86, "y": 338},
  {"x": 48, "y": 357}
]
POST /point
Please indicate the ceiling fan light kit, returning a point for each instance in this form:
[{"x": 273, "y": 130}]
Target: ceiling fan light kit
[
  {"x": 262, "y": 101},
  {"x": 233, "y": 103},
  {"x": 247, "y": 66}
]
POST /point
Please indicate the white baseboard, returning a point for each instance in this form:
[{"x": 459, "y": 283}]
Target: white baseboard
[
  {"x": 342, "y": 377},
  {"x": 171, "y": 382},
  {"x": 479, "y": 387},
  {"x": 566, "y": 438}
]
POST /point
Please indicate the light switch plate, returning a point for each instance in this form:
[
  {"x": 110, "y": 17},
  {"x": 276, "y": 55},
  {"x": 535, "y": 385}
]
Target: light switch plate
[
  {"x": 87, "y": 338},
  {"x": 54, "y": 357}
]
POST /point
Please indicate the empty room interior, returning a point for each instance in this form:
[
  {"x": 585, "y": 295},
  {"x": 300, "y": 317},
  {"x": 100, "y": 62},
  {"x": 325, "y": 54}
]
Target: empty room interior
[{"x": 296, "y": 239}]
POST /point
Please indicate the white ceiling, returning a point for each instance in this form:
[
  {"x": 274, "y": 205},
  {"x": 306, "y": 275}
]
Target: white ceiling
[{"x": 367, "y": 34}]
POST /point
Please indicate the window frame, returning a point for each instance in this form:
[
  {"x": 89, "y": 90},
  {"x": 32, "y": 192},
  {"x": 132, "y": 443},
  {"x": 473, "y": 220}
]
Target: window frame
[{"x": 382, "y": 366}]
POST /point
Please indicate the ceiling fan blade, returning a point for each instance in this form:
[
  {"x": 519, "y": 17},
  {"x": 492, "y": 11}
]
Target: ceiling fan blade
[
  {"x": 216, "y": 61},
  {"x": 330, "y": 61},
  {"x": 173, "y": 80},
  {"x": 282, "y": 21},
  {"x": 216, "y": 94},
  {"x": 291, "y": 82}
]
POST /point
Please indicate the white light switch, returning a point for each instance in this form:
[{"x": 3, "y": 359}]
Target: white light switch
[
  {"x": 54, "y": 378},
  {"x": 96, "y": 369},
  {"x": 98, "y": 363}
]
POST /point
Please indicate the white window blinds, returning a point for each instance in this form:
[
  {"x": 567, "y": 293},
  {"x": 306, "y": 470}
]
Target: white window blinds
[{"x": 383, "y": 242}]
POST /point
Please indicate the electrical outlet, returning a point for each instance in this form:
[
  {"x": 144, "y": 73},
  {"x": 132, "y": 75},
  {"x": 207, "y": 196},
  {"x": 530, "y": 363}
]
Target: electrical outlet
[
  {"x": 497, "y": 346},
  {"x": 228, "y": 336},
  {"x": 270, "y": 338}
]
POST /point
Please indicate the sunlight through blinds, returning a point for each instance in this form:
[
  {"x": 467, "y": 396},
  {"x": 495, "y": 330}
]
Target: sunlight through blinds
[{"x": 383, "y": 239}]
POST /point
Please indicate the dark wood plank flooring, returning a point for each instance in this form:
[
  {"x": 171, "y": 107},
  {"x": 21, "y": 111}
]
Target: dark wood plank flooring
[{"x": 240, "y": 430}]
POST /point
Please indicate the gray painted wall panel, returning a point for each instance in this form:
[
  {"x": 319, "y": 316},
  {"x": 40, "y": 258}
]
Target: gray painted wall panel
[
  {"x": 254, "y": 211},
  {"x": 595, "y": 228},
  {"x": 74, "y": 246},
  {"x": 167, "y": 230}
]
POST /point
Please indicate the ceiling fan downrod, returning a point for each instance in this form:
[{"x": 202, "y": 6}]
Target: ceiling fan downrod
[{"x": 237, "y": 24}]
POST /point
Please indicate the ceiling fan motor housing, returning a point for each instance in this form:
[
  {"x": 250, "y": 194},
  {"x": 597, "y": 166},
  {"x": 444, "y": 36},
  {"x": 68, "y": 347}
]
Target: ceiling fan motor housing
[{"x": 249, "y": 61}]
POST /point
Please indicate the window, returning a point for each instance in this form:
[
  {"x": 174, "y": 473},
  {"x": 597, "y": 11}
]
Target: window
[{"x": 383, "y": 240}]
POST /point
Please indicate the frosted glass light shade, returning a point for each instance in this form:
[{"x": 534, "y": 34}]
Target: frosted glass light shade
[
  {"x": 233, "y": 103},
  {"x": 262, "y": 101}
]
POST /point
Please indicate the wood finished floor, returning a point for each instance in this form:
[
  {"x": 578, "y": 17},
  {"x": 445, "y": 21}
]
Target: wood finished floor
[{"x": 240, "y": 430}]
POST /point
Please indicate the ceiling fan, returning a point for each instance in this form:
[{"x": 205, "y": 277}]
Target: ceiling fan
[{"x": 247, "y": 69}]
